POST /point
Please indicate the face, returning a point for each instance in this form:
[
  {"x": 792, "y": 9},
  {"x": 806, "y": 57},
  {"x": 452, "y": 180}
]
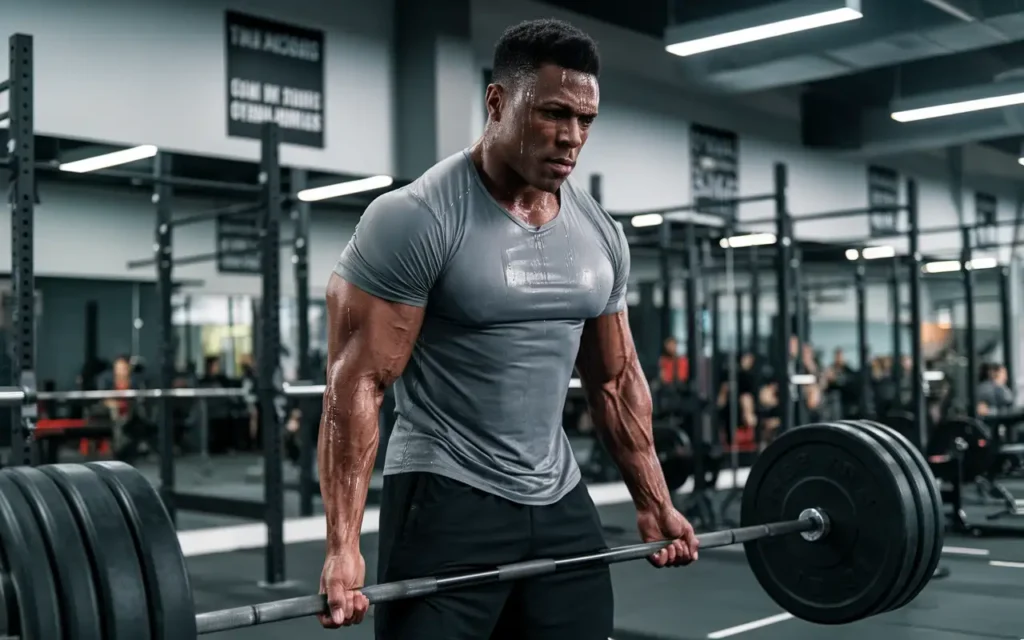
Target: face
[
  {"x": 747, "y": 361},
  {"x": 541, "y": 123},
  {"x": 840, "y": 359},
  {"x": 670, "y": 347},
  {"x": 999, "y": 375},
  {"x": 122, "y": 369}
]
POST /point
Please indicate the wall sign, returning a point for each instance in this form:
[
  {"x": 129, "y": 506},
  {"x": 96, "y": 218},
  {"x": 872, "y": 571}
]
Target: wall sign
[
  {"x": 275, "y": 72},
  {"x": 985, "y": 209},
  {"x": 238, "y": 244},
  {"x": 883, "y": 191},
  {"x": 714, "y": 169}
]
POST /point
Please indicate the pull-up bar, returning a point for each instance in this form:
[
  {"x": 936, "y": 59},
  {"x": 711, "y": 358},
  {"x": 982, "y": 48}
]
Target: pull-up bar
[
  {"x": 203, "y": 257},
  {"x": 699, "y": 206},
  {"x": 828, "y": 215},
  {"x": 213, "y": 214}
]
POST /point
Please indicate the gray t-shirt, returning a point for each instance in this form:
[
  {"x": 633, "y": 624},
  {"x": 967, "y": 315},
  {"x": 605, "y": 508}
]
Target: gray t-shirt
[{"x": 482, "y": 396}]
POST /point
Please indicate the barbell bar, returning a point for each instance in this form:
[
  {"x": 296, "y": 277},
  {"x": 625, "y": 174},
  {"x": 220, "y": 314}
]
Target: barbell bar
[
  {"x": 867, "y": 514},
  {"x": 812, "y": 522},
  {"x": 18, "y": 395}
]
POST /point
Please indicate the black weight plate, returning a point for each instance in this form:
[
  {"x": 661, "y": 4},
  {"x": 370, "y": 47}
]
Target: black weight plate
[
  {"x": 923, "y": 530},
  {"x": 845, "y": 576},
  {"x": 672, "y": 446},
  {"x": 107, "y": 537},
  {"x": 32, "y": 575},
  {"x": 8, "y": 605},
  {"x": 169, "y": 592},
  {"x": 934, "y": 503},
  {"x": 79, "y": 600}
]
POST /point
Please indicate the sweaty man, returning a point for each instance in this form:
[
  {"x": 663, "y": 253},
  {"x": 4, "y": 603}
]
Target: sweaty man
[{"x": 476, "y": 290}]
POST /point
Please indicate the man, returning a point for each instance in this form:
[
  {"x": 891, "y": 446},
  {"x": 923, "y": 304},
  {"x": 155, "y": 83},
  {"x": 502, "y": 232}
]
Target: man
[
  {"x": 476, "y": 289},
  {"x": 130, "y": 431},
  {"x": 674, "y": 367},
  {"x": 994, "y": 397}
]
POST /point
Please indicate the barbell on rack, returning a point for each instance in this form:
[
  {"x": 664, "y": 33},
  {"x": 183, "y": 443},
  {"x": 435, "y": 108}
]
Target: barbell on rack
[{"x": 840, "y": 522}]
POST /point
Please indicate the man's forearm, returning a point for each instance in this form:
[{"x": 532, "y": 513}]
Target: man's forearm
[
  {"x": 621, "y": 410},
  {"x": 349, "y": 435}
]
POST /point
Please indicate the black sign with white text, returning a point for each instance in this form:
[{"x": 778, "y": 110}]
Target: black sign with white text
[
  {"x": 275, "y": 72},
  {"x": 714, "y": 169},
  {"x": 883, "y": 191},
  {"x": 238, "y": 244},
  {"x": 985, "y": 211}
]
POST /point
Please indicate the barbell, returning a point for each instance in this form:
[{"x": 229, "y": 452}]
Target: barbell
[{"x": 839, "y": 522}]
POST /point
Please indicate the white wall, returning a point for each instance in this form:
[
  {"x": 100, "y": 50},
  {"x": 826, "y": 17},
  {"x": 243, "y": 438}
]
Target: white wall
[
  {"x": 92, "y": 232},
  {"x": 153, "y": 71}
]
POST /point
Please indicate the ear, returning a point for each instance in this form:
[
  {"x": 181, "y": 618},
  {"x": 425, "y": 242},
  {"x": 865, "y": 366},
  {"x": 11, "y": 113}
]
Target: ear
[{"x": 494, "y": 100}]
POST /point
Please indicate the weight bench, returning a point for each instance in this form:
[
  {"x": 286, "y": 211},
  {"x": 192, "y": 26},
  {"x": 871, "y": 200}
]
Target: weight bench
[{"x": 51, "y": 433}]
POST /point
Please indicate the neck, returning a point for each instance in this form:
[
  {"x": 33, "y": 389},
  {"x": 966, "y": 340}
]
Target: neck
[{"x": 502, "y": 180}]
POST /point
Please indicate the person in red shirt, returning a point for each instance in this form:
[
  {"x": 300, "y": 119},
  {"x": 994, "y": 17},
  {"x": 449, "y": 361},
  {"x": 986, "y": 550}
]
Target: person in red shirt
[{"x": 669, "y": 356}]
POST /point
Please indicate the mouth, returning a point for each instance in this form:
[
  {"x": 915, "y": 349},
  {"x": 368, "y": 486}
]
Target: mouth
[{"x": 561, "y": 165}]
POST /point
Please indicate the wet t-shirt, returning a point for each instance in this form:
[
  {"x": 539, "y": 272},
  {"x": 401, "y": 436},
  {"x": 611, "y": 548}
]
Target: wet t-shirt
[{"x": 481, "y": 398}]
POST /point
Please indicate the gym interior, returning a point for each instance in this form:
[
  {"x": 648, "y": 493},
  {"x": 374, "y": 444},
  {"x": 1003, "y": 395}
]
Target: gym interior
[{"x": 822, "y": 204}]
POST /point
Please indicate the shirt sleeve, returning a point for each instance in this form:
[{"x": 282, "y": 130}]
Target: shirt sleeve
[
  {"x": 621, "y": 264},
  {"x": 398, "y": 250}
]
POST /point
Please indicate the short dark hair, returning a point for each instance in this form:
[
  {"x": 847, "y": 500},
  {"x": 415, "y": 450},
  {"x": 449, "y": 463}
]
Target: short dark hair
[{"x": 527, "y": 46}]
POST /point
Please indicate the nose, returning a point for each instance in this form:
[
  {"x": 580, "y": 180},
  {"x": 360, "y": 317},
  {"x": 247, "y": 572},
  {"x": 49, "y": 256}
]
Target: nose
[{"x": 571, "y": 134}]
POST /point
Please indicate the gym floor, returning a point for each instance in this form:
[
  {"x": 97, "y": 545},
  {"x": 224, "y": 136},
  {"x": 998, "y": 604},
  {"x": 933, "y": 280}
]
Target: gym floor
[{"x": 716, "y": 598}]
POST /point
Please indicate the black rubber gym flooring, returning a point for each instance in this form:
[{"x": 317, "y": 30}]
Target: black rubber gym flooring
[{"x": 983, "y": 597}]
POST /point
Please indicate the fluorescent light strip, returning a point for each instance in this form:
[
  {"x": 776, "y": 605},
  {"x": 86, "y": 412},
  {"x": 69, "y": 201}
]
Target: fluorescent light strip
[
  {"x": 956, "y": 108},
  {"x": 949, "y": 266},
  {"x": 647, "y": 220},
  {"x": 108, "y": 160},
  {"x": 748, "y": 240},
  {"x": 763, "y": 32},
  {"x": 934, "y": 376},
  {"x": 871, "y": 253},
  {"x": 345, "y": 188}
]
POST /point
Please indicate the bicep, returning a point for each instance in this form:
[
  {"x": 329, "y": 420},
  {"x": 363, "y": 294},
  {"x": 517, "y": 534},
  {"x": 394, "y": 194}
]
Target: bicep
[{"x": 368, "y": 337}]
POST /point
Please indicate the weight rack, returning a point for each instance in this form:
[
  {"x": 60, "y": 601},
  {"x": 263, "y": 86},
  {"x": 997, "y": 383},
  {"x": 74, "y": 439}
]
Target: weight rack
[{"x": 22, "y": 193}]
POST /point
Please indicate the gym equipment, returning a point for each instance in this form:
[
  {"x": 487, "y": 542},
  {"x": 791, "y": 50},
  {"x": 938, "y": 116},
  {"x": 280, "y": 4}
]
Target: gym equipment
[
  {"x": 676, "y": 455},
  {"x": 856, "y": 493}
]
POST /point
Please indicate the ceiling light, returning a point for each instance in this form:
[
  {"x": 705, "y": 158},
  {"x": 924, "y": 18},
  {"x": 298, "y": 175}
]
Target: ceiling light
[
  {"x": 748, "y": 240},
  {"x": 345, "y": 188},
  {"x": 956, "y": 108},
  {"x": 982, "y": 263},
  {"x": 852, "y": 254},
  {"x": 948, "y": 266},
  {"x": 770, "y": 21},
  {"x": 647, "y": 220},
  {"x": 108, "y": 160},
  {"x": 875, "y": 253},
  {"x": 980, "y": 97}
]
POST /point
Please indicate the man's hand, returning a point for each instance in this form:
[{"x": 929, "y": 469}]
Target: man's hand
[
  {"x": 341, "y": 579},
  {"x": 668, "y": 524}
]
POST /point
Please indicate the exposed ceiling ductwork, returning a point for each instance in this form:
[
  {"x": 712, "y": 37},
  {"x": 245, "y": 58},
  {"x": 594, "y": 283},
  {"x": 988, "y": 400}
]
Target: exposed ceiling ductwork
[{"x": 892, "y": 32}]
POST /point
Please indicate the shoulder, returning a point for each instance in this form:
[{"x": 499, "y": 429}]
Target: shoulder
[
  {"x": 444, "y": 187},
  {"x": 609, "y": 230}
]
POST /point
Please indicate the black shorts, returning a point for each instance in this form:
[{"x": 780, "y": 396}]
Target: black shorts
[{"x": 431, "y": 525}]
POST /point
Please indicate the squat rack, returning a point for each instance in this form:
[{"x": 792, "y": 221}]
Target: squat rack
[{"x": 23, "y": 393}]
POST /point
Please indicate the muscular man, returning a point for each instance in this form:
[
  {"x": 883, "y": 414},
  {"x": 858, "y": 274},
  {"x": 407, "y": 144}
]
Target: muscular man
[{"x": 476, "y": 290}]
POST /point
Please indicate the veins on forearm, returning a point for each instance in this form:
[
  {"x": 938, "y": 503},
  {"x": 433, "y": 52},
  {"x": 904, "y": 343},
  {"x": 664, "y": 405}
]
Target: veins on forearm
[{"x": 621, "y": 409}]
